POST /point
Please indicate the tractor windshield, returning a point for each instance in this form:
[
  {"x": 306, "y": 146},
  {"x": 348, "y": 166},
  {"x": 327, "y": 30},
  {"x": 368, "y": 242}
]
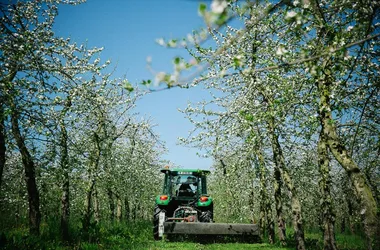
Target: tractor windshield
[{"x": 185, "y": 185}]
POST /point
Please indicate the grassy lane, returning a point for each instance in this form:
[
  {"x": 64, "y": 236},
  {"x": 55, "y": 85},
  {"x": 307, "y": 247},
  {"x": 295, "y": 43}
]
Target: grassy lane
[{"x": 138, "y": 235}]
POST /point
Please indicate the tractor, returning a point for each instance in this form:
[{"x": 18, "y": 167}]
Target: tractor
[{"x": 185, "y": 208}]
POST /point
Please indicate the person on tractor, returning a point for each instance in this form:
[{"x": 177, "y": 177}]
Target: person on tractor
[{"x": 185, "y": 188}]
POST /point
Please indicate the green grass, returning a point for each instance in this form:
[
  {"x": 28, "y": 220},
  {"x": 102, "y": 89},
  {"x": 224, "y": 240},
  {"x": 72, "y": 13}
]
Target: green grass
[
  {"x": 214, "y": 246},
  {"x": 138, "y": 235},
  {"x": 350, "y": 242}
]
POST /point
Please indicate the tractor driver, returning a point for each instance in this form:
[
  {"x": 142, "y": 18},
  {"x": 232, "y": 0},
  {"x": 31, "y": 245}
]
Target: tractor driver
[{"x": 185, "y": 188}]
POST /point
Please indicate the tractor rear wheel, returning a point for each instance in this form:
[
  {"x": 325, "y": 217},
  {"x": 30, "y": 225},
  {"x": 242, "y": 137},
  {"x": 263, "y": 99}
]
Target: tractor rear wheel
[
  {"x": 156, "y": 220},
  {"x": 206, "y": 216}
]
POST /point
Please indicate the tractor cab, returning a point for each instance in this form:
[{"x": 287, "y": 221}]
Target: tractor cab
[{"x": 185, "y": 185}]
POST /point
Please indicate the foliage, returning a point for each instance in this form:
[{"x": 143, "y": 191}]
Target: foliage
[
  {"x": 290, "y": 70},
  {"x": 78, "y": 137},
  {"x": 285, "y": 72}
]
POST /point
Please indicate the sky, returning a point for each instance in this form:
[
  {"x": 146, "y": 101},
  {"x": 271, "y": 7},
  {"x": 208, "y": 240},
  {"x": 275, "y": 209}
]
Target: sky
[{"x": 127, "y": 29}]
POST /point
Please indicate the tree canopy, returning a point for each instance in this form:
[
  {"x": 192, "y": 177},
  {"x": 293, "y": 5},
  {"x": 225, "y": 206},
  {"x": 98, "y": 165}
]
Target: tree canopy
[{"x": 292, "y": 123}]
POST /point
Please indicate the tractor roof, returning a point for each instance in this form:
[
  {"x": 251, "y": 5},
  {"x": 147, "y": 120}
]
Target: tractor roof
[{"x": 176, "y": 171}]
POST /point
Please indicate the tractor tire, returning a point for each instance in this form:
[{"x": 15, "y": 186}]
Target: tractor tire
[
  {"x": 156, "y": 218},
  {"x": 207, "y": 216}
]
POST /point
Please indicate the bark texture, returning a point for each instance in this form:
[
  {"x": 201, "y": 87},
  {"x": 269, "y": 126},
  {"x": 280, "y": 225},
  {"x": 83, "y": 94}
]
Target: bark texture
[
  {"x": 93, "y": 167},
  {"x": 30, "y": 176},
  {"x": 96, "y": 206},
  {"x": 349, "y": 198},
  {"x": 65, "y": 200},
  {"x": 111, "y": 203},
  {"x": 328, "y": 215},
  {"x": 127, "y": 209},
  {"x": 88, "y": 210},
  {"x": 3, "y": 102},
  {"x": 119, "y": 208},
  {"x": 266, "y": 201},
  {"x": 278, "y": 200},
  {"x": 295, "y": 204},
  {"x": 340, "y": 153}
]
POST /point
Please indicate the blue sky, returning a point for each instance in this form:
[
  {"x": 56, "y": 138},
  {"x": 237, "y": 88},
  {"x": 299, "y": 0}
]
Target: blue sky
[{"x": 127, "y": 30}]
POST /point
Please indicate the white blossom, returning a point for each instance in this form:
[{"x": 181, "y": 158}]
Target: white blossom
[
  {"x": 218, "y": 6},
  {"x": 349, "y": 28},
  {"x": 290, "y": 14},
  {"x": 160, "y": 76},
  {"x": 160, "y": 41},
  {"x": 281, "y": 50}
]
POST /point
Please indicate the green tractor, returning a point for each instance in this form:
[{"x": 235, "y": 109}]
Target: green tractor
[{"x": 185, "y": 208}]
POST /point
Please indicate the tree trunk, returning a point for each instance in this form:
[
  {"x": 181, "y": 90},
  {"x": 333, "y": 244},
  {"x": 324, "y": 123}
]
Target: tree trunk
[
  {"x": 338, "y": 149},
  {"x": 111, "y": 203},
  {"x": 266, "y": 202},
  {"x": 278, "y": 200},
  {"x": 328, "y": 215},
  {"x": 251, "y": 205},
  {"x": 2, "y": 142},
  {"x": 135, "y": 210},
  {"x": 88, "y": 209},
  {"x": 343, "y": 225},
  {"x": 93, "y": 168},
  {"x": 107, "y": 157},
  {"x": 270, "y": 223},
  {"x": 96, "y": 206},
  {"x": 295, "y": 204},
  {"x": 65, "y": 200},
  {"x": 348, "y": 191},
  {"x": 33, "y": 195},
  {"x": 270, "y": 229},
  {"x": 372, "y": 181},
  {"x": 351, "y": 215},
  {"x": 127, "y": 210},
  {"x": 4, "y": 82},
  {"x": 119, "y": 210},
  {"x": 296, "y": 211},
  {"x": 262, "y": 216}
]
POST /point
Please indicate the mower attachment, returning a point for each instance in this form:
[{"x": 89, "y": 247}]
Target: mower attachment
[{"x": 199, "y": 228}]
